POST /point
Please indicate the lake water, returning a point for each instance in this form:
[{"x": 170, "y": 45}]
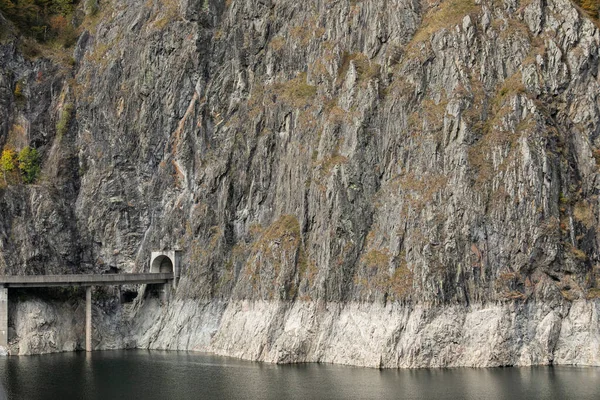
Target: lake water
[{"x": 181, "y": 375}]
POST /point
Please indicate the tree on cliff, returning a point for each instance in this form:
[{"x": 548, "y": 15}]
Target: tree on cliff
[
  {"x": 38, "y": 18},
  {"x": 29, "y": 164},
  {"x": 7, "y": 162}
]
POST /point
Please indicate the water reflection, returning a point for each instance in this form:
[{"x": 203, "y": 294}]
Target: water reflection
[{"x": 180, "y": 375}]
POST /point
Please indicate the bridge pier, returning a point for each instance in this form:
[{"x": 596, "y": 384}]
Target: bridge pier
[
  {"x": 4, "y": 317},
  {"x": 88, "y": 318},
  {"x": 164, "y": 292}
]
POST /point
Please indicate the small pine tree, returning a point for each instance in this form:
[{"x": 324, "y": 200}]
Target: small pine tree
[
  {"x": 8, "y": 162},
  {"x": 29, "y": 164}
]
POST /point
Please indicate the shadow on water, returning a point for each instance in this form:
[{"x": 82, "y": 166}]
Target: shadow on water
[{"x": 138, "y": 374}]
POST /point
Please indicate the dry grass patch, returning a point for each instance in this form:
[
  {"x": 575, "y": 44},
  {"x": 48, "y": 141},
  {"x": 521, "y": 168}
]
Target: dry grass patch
[
  {"x": 365, "y": 68},
  {"x": 296, "y": 92},
  {"x": 277, "y": 43},
  {"x": 277, "y": 245},
  {"x": 420, "y": 189},
  {"x": 443, "y": 15},
  {"x": 583, "y": 213},
  {"x": 376, "y": 275}
]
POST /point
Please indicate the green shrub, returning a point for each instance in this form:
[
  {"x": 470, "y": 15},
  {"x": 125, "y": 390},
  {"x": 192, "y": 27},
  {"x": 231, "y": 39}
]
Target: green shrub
[
  {"x": 63, "y": 7},
  {"x": 29, "y": 164},
  {"x": 62, "y": 126}
]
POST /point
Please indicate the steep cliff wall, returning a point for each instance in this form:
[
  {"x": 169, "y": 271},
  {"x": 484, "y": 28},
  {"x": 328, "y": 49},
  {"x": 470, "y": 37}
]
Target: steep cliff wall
[{"x": 384, "y": 183}]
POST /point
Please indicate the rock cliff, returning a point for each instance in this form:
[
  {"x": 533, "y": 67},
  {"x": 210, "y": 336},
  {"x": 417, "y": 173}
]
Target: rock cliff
[{"x": 391, "y": 183}]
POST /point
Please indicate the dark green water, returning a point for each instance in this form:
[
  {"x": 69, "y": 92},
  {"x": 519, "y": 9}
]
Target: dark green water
[{"x": 180, "y": 375}]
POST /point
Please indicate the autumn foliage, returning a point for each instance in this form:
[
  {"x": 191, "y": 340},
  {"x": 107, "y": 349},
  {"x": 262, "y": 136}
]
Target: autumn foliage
[
  {"x": 43, "y": 19},
  {"x": 27, "y": 162}
]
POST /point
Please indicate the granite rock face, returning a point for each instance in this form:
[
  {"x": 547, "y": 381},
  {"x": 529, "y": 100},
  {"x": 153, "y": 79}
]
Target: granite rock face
[
  {"x": 384, "y": 183},
  {"x": 378, "y": 335}
]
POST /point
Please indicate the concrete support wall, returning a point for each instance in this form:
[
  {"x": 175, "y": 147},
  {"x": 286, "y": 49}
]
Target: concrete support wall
[
  {"x": 4, "y": 317},
  {"x": 88, "y": 318},
  {"x": 164, "y": 292}
]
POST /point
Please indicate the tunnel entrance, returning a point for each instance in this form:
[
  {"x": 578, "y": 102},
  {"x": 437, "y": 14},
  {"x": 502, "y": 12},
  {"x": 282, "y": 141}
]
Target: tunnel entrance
[
  {"x": 166, "y": 262},
  {"x": 162, "y": 264}
]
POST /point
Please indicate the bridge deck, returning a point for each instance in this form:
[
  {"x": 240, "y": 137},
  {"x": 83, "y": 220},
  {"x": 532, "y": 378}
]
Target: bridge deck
[{"x": 18, "y": 281}]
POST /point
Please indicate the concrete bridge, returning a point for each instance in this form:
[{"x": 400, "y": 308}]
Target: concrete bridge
[{"x": 164, "y": 270}]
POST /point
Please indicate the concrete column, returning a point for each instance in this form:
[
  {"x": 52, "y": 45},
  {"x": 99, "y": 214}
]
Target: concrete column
[
  {"x": 4, "y": 317},
  {"x": 88, "y": 318},
  {"x": 164, "y": 293}
]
